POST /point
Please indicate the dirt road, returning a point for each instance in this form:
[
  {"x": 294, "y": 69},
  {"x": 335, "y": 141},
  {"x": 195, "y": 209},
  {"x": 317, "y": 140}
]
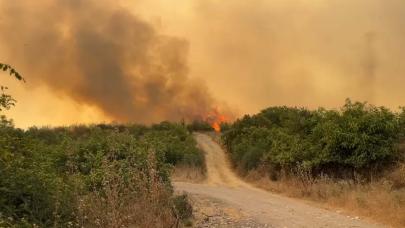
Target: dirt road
[{"x": 266, "y": 208}]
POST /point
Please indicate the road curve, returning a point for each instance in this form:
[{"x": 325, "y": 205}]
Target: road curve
[{"x": 265, "y": 207}]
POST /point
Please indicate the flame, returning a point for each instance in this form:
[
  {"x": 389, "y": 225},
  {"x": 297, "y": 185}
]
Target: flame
[
  {"x": 217, "y": 127},
  {"x": 215, "y": 118}
]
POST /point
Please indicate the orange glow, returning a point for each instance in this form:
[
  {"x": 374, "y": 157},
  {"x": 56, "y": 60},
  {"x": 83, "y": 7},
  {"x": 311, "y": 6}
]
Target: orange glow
[
  {"x": 215, "y": 118},
  {"x": 216, "y": 127}
]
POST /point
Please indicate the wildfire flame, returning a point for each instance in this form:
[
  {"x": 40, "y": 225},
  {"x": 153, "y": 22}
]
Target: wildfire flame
[
  {"x": 215, "y": 118},
  {"x": 216, "y": 126}
]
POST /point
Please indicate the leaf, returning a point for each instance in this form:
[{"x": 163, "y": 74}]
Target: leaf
[{"x": 13, "y": 72}]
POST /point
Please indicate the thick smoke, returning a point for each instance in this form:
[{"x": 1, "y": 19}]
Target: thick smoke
[
  {"x": 296, "y": 52},
  {"x": 100, "y": 54},
  {"x": 253, "y": 54}
]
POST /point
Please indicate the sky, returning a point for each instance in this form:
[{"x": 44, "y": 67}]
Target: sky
[{"x": 150, "y": 60}]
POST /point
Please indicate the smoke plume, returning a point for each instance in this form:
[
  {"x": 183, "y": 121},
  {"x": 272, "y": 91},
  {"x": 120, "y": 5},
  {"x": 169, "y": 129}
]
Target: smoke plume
[
  {"x": 102, "y": 55},
  {"x": 310, "y": 53},
  {"x": 252, "y": 54}
]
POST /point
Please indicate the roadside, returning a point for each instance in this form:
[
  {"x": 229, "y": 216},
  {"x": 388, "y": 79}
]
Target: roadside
[
  {"x": 263, "y": 207},
  {"x": 211, "y": 212}
]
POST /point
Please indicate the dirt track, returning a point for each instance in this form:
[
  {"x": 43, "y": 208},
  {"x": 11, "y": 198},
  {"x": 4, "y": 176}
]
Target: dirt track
[{"x": 264, "y": 207}]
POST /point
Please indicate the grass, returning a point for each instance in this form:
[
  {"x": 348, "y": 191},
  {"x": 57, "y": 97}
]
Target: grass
[
  {"x": 184, "y": 173},
  {"x": 137, "y": 199},
  {"x": 190, "y": 173},
  {"x": 382, "y": 200}
]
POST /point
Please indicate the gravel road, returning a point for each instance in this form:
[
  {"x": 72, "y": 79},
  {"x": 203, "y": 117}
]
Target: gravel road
[{"x": 257, "y": 206}]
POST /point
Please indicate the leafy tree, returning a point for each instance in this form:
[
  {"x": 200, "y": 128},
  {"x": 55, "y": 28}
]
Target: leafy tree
[{"x": 356, "y": 137}]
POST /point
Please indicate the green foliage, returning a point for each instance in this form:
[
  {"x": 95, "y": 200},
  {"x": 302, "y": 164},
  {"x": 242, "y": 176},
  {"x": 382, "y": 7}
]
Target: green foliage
[
  {"x": 356, "y": 138},
  {"x": 7, "y": 101},
  {"x": 46, "y": 171},
  {"x": 401, "y": 117},
  {"x": 199, "y": 125},
  {"x": 29, "y": 182},
  {"x": 176, "y": 143}
]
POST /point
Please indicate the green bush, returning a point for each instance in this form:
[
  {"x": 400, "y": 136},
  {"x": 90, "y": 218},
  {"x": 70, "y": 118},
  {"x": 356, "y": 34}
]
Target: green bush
[
  {"x": 176, "y": 143},
  {"x": 199, "y": 125},
  {"x": 45, "y": 172},
  {"x": 356, "y": 138}
]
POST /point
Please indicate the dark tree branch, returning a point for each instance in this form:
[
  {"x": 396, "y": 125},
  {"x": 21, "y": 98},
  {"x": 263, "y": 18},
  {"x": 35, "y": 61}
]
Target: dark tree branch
[{"x": 13, "y": 72}]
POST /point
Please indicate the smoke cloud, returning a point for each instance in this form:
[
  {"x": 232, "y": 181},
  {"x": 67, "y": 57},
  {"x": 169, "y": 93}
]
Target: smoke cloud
[
  {"x": 111, "y": 54},
  {"x": 312, "y": 53},
  {"x": 102, "y": 55}
]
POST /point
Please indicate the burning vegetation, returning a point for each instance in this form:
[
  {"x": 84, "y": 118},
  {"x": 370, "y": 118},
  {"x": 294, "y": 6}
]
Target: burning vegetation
[{"x": 216, "y": 119}]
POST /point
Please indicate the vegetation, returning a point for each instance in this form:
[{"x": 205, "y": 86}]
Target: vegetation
[
  {"x": 357, "y": 138},
  {"x": 111, "y": 175},
  {"x": 101, "y": 175},
  {"x": 13, "y": 72},
  {"x": 199, "y": 125},
  {"x": 6, "y": 101},
  {"x": 351, "y": 158},
  {"x": 92, "y": 176}
]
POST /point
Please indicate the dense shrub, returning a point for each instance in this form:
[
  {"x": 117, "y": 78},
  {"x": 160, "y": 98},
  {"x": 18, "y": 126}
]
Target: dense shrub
[
  {"x": 356, "y": 138},
  {"x": 56, "y": 176},
  {"x": 199, "y": 125},
  {"x": 176, "y": 143}
]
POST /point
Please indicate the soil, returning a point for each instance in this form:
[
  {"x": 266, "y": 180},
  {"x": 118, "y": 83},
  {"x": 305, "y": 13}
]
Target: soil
[{"x": 224, "y": 200}]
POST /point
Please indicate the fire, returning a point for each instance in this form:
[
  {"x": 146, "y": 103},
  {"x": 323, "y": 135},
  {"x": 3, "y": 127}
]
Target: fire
[
  {"x": 216, "y": 126},
  {"x": 215, "y": 118}
]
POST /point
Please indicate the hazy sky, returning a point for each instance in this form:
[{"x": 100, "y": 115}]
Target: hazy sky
[{"x": 247, "y": 54}]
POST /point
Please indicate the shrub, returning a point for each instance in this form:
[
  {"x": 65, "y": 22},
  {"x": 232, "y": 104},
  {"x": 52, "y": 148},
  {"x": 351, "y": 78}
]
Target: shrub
[
  {"x": 78, "y": 175},
  {"x": 183, "y": 208},
  {"x": 359, "y": 137},
  {"x": 127, "y": 197},
  {"x": 199, "y": 125}
]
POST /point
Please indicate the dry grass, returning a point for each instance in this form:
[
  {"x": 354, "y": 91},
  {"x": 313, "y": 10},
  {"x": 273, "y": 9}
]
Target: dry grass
[
  {"x": 188, "y": 174},
  {"x": 138, "y": 200},
  {"x": 382, "y": 200}
]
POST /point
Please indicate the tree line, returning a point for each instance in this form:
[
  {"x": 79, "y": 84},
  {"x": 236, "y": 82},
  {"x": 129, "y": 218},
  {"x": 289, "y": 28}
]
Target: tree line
[{"x": 353, "y": 140}]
